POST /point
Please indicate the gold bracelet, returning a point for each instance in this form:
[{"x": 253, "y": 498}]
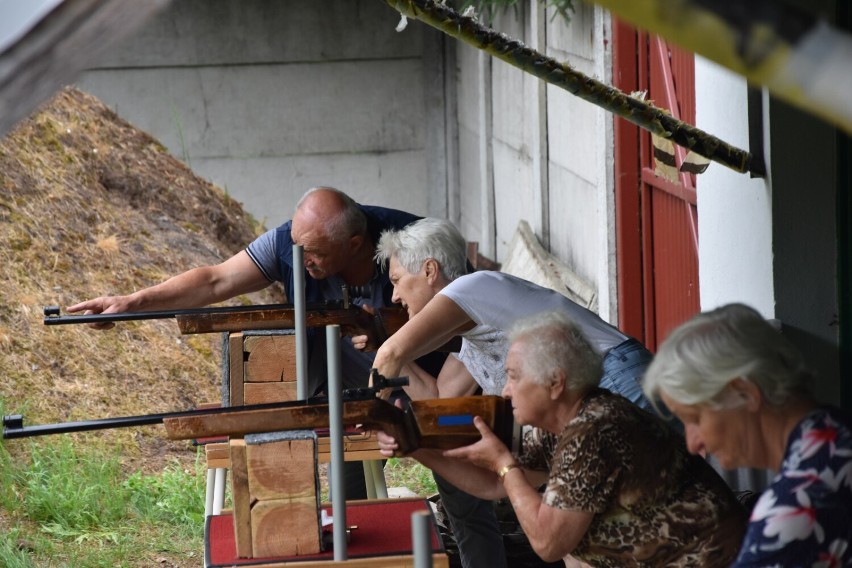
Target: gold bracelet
[{"x": 506, "y": 469}]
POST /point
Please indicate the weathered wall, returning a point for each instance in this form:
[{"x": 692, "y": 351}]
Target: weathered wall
[
  {"x": 268, "y": 98},
  {"x": 533, "y": 152}
]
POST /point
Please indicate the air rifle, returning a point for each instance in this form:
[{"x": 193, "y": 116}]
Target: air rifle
[
  {"x": 440, "y": 423},
  {"x": 377, "y": 324}
]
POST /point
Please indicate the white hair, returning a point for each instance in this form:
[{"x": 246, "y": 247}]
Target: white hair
[
  {"x": 421, "y": 240},
  {"x": 554, "y": 341},
  {"x": 698, "y": 360}
]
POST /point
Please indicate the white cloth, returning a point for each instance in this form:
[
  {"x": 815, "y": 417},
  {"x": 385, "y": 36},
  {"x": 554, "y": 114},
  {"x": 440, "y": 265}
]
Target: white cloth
[{"x": 494, "y": 301}]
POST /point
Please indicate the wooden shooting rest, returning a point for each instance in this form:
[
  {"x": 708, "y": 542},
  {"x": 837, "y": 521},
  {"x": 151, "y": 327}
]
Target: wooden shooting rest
[{"x": 260, "y": 368}]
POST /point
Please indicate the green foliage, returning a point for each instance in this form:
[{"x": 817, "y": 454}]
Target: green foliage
[
  {"x": 11, "y": 555},
  {"x": 75, "y": 508},
  {"x": 405, "y": 472},
  {"x": 175, "y": 497},
  {"x": 71, "y": 494}
]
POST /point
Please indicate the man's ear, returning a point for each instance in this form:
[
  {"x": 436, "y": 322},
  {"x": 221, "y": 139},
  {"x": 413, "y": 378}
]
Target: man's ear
[
  {"x": 356, "y": 242},
  {"x": 747, "y": 391}
]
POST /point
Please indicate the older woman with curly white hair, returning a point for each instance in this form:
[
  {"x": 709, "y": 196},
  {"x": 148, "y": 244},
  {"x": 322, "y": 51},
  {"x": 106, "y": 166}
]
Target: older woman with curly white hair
[
  {"x": 742, "y": 392},
  {"x": 620, "y": 489}
]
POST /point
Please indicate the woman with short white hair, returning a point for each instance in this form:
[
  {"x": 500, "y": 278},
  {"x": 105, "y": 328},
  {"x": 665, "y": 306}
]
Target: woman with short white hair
[
  {"x": 620, "y": 489},
  {"x": 742, "y": 391}
]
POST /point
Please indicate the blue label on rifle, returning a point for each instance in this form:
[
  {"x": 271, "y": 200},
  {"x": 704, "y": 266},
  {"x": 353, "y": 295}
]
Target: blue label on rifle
[{"x": 456, "y": 420}]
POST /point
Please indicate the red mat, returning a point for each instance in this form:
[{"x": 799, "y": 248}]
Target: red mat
[{"x": 384, "y": 529}]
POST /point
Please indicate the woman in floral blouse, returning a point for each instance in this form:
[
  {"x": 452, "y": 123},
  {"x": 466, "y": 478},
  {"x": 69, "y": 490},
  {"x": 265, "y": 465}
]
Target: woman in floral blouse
[{"x": 742, "y": 392}]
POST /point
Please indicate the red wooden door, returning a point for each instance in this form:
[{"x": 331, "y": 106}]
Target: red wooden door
[{"x": 656, "y": 221}]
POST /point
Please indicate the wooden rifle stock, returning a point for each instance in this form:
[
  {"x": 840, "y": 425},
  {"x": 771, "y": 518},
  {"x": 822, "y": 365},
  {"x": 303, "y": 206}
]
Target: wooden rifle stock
[{"x": 435, "y": 423}]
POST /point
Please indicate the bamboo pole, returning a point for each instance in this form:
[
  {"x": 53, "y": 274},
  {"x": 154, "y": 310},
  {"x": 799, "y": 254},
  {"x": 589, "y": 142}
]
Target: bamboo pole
[
  {"x": 561, "y": 75},
  {"x": 797, "y": 57}
]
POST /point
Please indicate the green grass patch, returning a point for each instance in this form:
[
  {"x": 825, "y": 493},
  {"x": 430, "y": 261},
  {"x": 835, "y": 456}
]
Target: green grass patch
[
  {"x": 73, "y": 507},
  {"x": 406, "y": 472}
]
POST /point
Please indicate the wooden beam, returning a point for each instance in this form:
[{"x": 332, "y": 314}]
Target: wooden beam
[{"x": 562, "y": 75}]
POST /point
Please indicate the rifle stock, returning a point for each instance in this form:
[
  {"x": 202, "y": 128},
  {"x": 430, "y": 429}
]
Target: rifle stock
[{"x": 434, "y": 423}]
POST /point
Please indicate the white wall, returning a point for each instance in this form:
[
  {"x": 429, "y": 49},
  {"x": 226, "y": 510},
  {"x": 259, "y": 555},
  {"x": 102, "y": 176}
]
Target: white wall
[
  {"x": 548, "y": 153},
  {"x": 734, "y": 211}
]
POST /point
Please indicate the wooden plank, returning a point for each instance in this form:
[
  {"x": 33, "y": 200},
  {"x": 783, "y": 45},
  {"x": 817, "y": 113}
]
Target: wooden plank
[
  {"x": 282, "y": 470},
  {"x": 358, "y": 455},
  {"x": 358, "y": 447},
  {"x": 260, "y": 393},
  {"x": 285, "y": 527},
  {"x": 270, "y": 358},
  {"x": 241, "y": 498},
  {"x": 236, "y": 373}
]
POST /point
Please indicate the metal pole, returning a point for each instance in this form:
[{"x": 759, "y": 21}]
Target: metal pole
[
  {"x": 301, "y": 327},
  {"x": 421, "y": 536},
  {"x": 335, "y": 411}
]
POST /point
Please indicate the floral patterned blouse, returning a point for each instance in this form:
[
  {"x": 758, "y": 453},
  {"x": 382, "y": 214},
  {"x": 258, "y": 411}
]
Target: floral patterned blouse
[{"x": 805, "y": 517}]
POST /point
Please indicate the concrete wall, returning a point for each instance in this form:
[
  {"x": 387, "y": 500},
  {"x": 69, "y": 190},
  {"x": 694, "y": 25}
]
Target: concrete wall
[{"x": 268, "y": 98}]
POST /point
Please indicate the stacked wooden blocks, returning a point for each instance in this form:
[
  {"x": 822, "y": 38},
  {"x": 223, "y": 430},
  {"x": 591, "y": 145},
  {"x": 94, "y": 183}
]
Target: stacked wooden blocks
[
  {"x": 276, "y": 494},
  {"x": 261, "y": 367}
]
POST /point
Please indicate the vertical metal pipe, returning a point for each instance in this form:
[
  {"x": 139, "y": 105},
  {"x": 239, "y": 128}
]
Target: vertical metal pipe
[
  {"x": 421, "y": 536},
  {"x": 335, "y": 411},
  {"x": 368, "y": 480},
  {"x": 301, "y": 329},
  {"x": 377, "y": 475},
  {"x": 219, "y": 490}
]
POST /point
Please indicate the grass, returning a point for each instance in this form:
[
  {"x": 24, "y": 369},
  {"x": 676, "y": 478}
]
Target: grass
[
  {"x": 406, "y": 472},
  {"x": 74, "y": 507}
]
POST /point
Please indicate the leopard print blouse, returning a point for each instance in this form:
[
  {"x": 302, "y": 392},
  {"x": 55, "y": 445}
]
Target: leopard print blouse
[{"x": 654, "y": 504}]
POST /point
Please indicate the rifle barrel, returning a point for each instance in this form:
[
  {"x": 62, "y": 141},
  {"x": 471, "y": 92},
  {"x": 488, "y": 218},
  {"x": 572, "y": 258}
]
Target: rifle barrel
[
  {"x": 52, "y": 317},
  {"x": 13, "y": 425}
]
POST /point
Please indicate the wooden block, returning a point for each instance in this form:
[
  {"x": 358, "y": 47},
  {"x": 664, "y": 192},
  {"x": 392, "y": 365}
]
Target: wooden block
[
  {"x": 356, "y": 447},
  {"x": 217, "y": 451},
  {"x": 260, "y": 393},
  {"x": 367, "y": 455},
  {"x": 282, "y": 469},
  {"x": 285, "y": 527},
  {"x": 241, "y": 497},
  {"x": 270, "y": 358},
  {"x": 236, "y": 375},
  {"x": 219, "y": 464}
]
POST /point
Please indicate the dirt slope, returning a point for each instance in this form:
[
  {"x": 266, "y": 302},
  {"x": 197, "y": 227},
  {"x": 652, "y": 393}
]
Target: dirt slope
[{"x": 90, "y": 205}]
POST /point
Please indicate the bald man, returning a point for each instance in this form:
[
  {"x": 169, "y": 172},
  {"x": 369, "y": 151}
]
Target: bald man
[{"x": 338, "y": 237}]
